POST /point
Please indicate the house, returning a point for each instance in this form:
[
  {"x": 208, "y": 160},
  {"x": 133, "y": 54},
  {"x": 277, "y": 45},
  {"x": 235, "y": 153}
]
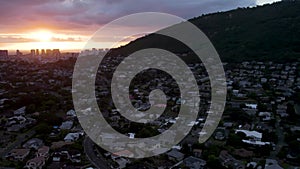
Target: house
[
  {"x": 34, "y": 143},
  {"x": 67, "y": 125},
  {"x": 123, "y": 153},
  {"x": 56, "y": 157},
  {"x": 59, "y": 144},
  {"x": 178, "y": 147},
  {"x": 194, "y": 163},
  {"x": 220, "y": 133},
  {"x": 254, "y": 138},
  {"x": 35, "y": 163},
  {"x": 18, "y": 154},
  {"x": 175, "y": 155},
  {"x": 264, "y": 80},
  {"x": 71, "y": 113},
  {"x": 20, "y": 119},
  {"x": 43, "y": 152},
  {"x": 245, "y": 127},
  {"x": 122, "y": 162},
  {"x": 243, "y": 153},
  {"x": 20, "y": 111},
  {"x": 250, "y": 112},
  {"x": 254, "y": 135},
  {"x": 131, "y": 135},
  {"x": 16, "y": 127},
  {"x": 59, "y": 156},
  {"x": 228, "y": 124},
  {"x": 230, "y": 162},
  {"x": 272, "y": 164},
  {"x": 295, "y": 128},
  {"x": 252, "y": 164},
  {"x": 197, "y": 153},
  {"x": 235, "y": 92},
  {"x": 266, "y": 116},
  {"x": 75, "y": 156},
  {"x": 257, "y": 143},
  {"x": 251, "y": 106},
  {"x": 71, "y": 137},
  {"x": 282, "y": 113},
  {"x": 14, "y": 123}
]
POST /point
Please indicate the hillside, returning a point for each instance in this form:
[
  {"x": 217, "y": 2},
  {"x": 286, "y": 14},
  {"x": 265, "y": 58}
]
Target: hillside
[{"x": 269, "y": 32}]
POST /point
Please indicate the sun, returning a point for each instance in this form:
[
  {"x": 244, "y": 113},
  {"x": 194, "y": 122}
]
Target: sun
[{"x": 42, "y": 35}]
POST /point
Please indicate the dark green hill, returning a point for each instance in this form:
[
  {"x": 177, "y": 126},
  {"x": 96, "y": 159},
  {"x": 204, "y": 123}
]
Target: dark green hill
[{"x": 269, "y": 32}]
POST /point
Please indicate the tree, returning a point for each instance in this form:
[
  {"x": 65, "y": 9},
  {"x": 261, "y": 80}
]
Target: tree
[
  {"x": 270, "y": 137},
  {"x": 239, "y": 115},
  {"x": 198, "y": 145},
  {"x": 147, "y": 131},
  {"x": 31, "y": 108},
  {"x": 293, "y": 117},
  {"x": 235, "y": 140},
  {"x": 213, "y": 162},
  {"x": 252, "y": 95},
  {"x": 43, "y": 128},
  {"x": 261, "y": 107},
  {"x": 50, "y": 119}
]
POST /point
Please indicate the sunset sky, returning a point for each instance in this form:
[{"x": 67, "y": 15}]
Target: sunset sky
[{"x": 67, "y": 24}]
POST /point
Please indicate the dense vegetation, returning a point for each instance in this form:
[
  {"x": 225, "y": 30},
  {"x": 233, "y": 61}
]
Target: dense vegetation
[{"x": 269, "y": 32}]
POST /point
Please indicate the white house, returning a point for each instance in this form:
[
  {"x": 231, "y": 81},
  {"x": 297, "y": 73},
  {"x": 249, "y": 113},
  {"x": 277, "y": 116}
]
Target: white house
[
  {"x": 251, "y": 106},
  {"x": 71, "y": 113},
  {"x": 71, "y": 137},
  {"x": 252, "y": 134}
]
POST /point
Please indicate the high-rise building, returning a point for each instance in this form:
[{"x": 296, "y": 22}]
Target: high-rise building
[
  {"x": 43, "y": 52},
  {"x": 32, "y": 52},
  {"x": 48, "y": 52},
  {"x": 56, "y": 53},
  {"x": 18, "y": 53},
  {"x": 3, "y": 54},
  {"x": 37, "y": 52}
]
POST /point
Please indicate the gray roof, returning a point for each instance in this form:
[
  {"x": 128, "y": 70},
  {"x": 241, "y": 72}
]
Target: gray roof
[
  {"x": 194, "y": 163},
  {"x": 272, "y": 164},
  {"x": 176, "y": 154}
]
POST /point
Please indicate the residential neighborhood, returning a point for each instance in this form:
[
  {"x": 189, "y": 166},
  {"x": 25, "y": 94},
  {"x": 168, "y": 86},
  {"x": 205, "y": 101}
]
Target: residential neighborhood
[{"x": 259, "y": 127}]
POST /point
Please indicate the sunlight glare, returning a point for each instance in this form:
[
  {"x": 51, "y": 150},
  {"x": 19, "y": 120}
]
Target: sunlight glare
[{"x": 42, "y": 36}]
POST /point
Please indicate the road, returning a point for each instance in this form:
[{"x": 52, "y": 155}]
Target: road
[
  {"x": 281, "y": 142},
  {"x": 98, "y": 162}
]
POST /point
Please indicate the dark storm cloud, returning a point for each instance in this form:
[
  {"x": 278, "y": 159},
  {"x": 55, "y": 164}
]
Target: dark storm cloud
[{"x": 79, "y": 14}]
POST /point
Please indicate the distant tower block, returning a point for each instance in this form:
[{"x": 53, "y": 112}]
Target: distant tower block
[
  {"x": 37, "y": 52},
  {"x": 18, "y": 53},
  {"x": 32, "y": 52},
  {"x": 43, "y": 52},
  {"x": 56, "y": 53},
  {"x": 3, "y": 54},
  {"x": 48, "y": 52}
]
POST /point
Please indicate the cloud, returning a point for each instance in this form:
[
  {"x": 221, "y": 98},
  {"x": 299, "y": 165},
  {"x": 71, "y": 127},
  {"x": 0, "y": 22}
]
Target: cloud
[
  {"x": 23, "y": 38},
  {"x": 67, "y": 39},
  {"x": 261, "y": 2},
  {"x": 76, "y": 20},
  {"x": 73, "y": 14},
  {"x": 8, "y": 39},
  {"x": 84, "y": 17}
]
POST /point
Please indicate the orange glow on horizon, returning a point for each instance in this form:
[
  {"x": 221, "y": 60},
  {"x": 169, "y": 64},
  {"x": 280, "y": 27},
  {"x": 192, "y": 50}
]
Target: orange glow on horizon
[{"x": 50, "y": 39}]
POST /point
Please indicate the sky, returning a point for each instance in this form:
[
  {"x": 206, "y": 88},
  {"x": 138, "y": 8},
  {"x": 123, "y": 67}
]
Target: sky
[{"x": 68, "y": 24}]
